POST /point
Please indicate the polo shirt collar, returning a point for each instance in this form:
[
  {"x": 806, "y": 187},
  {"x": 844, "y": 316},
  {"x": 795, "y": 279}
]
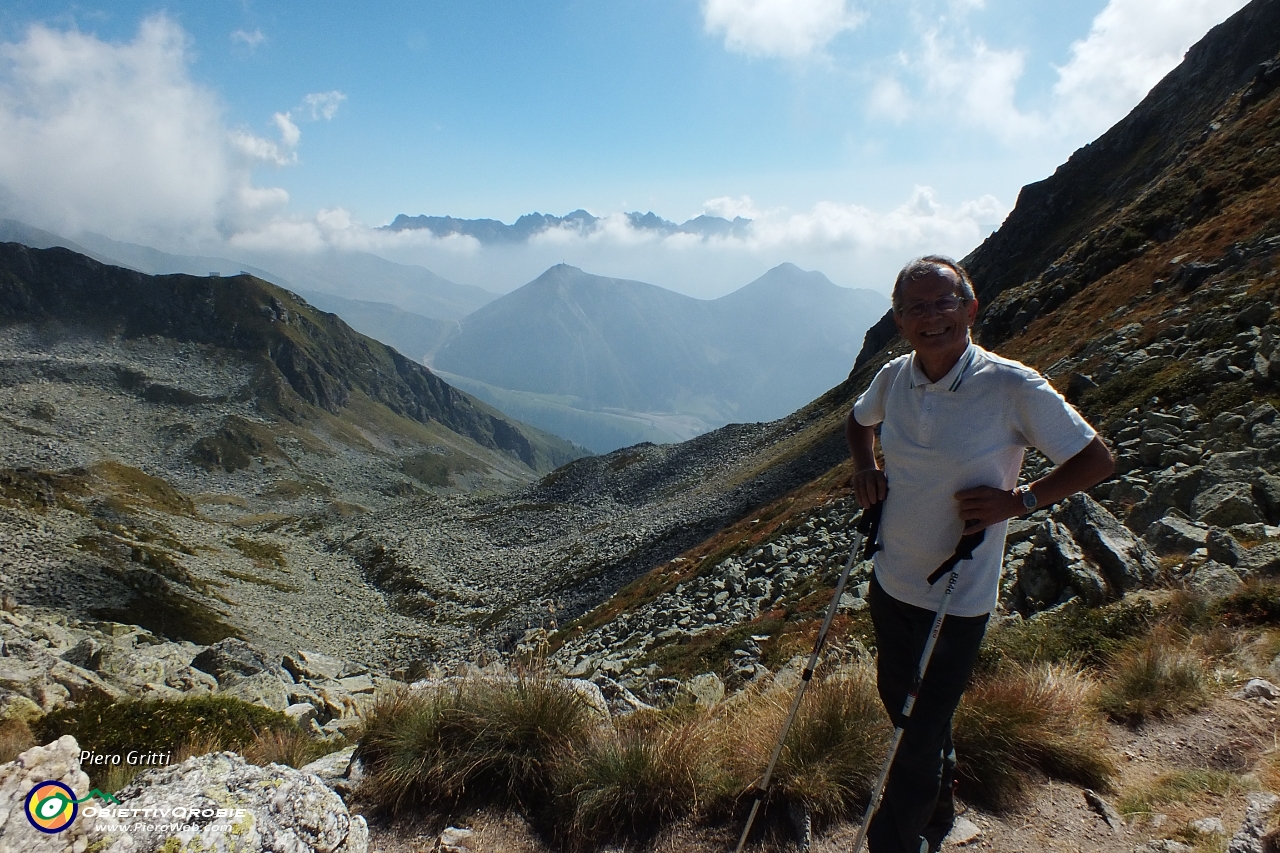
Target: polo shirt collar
[{"x": 954, "y": 378}]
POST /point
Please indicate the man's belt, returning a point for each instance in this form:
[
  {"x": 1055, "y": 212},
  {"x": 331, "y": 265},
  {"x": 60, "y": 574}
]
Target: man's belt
[{"x": 964, "y": 551}]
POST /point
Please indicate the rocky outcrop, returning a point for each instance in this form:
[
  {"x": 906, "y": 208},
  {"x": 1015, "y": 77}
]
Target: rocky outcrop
[
  {"x": 312, "y": 358},
  {"x": 57, "y": 762},
  {"x": 47, "y": 661},
  {"x": 217, "y": 802}
]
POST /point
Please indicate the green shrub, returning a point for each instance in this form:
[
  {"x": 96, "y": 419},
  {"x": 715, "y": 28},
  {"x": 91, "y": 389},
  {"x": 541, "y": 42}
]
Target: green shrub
[
  {"x": 1255, "y": 603},
  {"x": 1020, "y": 722},
  {"x": 1156, "y": 678},
  {"x": 118, "y": 727},
  {"x": 1085, "y": 636}
]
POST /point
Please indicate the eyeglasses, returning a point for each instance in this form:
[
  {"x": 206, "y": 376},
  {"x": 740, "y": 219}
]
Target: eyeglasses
[{"x": 941, "y": 305}]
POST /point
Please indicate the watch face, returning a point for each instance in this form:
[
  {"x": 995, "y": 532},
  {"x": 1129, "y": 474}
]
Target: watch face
[{"x": 1029, "y": 499}]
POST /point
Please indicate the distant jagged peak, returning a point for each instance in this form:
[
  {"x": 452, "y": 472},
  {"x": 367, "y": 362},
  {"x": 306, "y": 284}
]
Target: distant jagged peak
[{"x": 493, "y": 231}]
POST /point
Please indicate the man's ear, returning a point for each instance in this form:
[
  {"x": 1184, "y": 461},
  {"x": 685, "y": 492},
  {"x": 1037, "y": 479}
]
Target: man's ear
[
  {"x": 897, "y": 321},
  {"x": 972, "y": 309}
]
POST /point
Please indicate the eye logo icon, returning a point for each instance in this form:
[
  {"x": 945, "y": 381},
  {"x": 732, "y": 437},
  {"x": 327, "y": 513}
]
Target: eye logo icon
[{"x": 51, "y": 807}]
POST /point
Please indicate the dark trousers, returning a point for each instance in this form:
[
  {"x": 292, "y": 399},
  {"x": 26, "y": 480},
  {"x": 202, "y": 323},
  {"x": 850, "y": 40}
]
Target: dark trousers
[{"x": 917, "y": 810}]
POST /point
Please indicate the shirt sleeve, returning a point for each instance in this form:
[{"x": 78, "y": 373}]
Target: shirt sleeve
[
  {"x": 868, "y": 409},
  {"x": 1048, "y": 422}
]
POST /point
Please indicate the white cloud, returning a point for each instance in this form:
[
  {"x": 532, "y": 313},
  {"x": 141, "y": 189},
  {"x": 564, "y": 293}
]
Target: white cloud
[
  {"x": 963, "y": 78},
  {"x": 114, "y": 137},
  {"x": 791, "y": 29},
  {"x": 249, "y": 38},
  {"x": 1131, "y": 45},
  {"x": 117, "y": 138},
  {"x": 323, "y": 105},
  {"x": 731, "y": 208}
]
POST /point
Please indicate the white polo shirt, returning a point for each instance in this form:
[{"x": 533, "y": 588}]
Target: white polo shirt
[{"x": 968, "y": 429}]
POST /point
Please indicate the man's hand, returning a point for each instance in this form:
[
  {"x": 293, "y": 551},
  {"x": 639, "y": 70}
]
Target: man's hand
[
  {"x": 870, "y": 486},
  {"x": 983, "y": 506}
]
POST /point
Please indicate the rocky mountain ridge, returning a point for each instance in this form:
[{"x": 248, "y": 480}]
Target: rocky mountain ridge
[{"x": 599, "y": 344}]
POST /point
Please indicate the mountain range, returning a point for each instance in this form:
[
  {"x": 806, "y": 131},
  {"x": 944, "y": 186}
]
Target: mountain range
[
  {"x": 588, "y": 343},
  {"x": 493, "y": 232},
  {"x": 602, "y": 362}
]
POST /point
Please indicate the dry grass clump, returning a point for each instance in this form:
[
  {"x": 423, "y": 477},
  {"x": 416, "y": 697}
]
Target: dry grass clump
[
  {"x": 290, "y": 747},
  {"x": 628, "y": 784},
  {"x": 1158, "y": 677},
  {"x": 831, "y": 754},
  {"x": 1023, "y": 721},
  {"x": 476, "y": 742}
]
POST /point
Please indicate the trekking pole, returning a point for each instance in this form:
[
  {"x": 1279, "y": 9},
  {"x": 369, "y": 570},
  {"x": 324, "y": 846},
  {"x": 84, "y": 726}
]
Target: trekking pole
[
  {"x": 865, "y": 532},
  {"x": 964, "y": 551}
]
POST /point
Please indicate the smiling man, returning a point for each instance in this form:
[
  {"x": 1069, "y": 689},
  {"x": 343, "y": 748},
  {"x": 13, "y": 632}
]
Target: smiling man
[{"x": 954, "y": 422}]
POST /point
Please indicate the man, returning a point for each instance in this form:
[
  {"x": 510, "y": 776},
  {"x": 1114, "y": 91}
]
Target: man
[{"x": 954, "y": 422}]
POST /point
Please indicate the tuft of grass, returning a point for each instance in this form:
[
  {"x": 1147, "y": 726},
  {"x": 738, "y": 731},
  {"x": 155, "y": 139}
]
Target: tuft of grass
[
  {"x": 1179, "y": 786},
  {"x": 1023, "y": 721},
  {"x": 1156, "y": 678},
  {"x": 290, "y": 747},
  {"x": 476, "y": 743},
  {"x": 627, "y": 785},
  {"x": 832, "y": 753}
]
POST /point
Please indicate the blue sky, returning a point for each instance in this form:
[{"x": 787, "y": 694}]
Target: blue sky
[{"x": 854, "y": 132}]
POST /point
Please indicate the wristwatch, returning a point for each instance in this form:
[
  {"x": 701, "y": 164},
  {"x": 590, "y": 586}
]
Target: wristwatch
[{"x": 1028, "y": 498}]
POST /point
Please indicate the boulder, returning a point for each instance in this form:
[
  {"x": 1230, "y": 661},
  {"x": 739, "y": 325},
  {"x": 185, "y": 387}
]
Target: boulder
[
  {"x": 1124, "y": 560},
  {"x": 266, "y": 808},
  {"x": 313, "y": 666},
  {"x": 1261, "y": 559},
  {"x": 1170, "y": 488},
  {"x": 260, "y": 689},
  {"x": 332, "y": 769},
  {"x": 1223, "y": 547},
  {"x": 1226, "y": 504},
  {"x": 620, "y": 700},
  {"x": 1248, "y": 838},
  {"x": 1266, "y": 494},
  {"x": 1214, "y": 579},
  {"x": 56, "y": 762},
  {"x": 234, "y": 657},
  {"x": 1175, "y": 535},
  {"x": 301, "y": 713},
  {"x": 705, "y": 690}
]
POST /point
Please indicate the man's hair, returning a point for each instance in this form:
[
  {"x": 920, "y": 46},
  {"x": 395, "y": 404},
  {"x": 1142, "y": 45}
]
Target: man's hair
[{"x": 926, "y": 266}]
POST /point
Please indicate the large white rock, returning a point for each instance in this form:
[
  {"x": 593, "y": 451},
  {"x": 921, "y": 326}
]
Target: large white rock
[
  {"x": 236, "y": 806},
  {"x": 57, "y": 762}
]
